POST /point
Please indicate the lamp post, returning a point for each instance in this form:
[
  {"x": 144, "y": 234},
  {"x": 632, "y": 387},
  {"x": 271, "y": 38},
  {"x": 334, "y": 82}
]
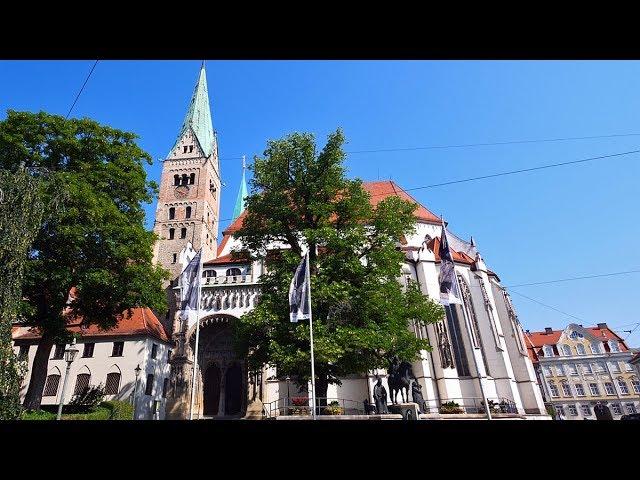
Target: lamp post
[
  {"x": 135, "y": 389},
  {"x": 69, "y": 356},
  {"x": 288, "y": 399}
]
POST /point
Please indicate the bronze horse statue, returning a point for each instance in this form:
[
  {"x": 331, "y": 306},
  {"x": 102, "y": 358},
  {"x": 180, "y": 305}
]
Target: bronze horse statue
[{"x": 399, "y": 379}]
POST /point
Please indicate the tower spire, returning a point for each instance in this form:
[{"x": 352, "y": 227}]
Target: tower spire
[
  {"x": 198, "y": 118},
  {"x": 242, "y": 193}
]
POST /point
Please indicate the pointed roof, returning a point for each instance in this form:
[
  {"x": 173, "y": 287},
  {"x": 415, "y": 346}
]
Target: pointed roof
[
  {"x": 242, "y": 194},
  {"x": 198, "y": 117}
]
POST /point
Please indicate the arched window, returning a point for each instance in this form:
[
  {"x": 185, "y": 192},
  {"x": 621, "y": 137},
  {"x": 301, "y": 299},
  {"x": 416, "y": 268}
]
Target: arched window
[
  {"x": 172, "y": 233},
  {"x": 185, "y": 179},
  {"x": 172, "y": 213},
  {"x": 548, "y": 351},
  {"x": 82, "y": 382},
  {"x": 580, "y": 349},
  {"x": 51, "y": 387},
  {"x": 188, "y": 212},
  {"x": 112, "y": 387},
  {"x": 209, "y": 273},
  {"x": 176, "y": 179},
  {"x": 566, "y": 350},
  {"x": 183, "y": 232},
  {"x": 595, "y": 347},
  {"x": 192, "y": 178},
  {"x": 233, "y": 272}
]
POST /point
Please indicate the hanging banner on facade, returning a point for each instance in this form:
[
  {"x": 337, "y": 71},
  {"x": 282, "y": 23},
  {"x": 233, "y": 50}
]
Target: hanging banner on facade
[{"x": 449, "y": 292}]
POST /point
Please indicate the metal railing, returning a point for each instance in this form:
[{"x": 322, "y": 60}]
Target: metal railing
[
  {"x": 471, "y": 405},
  {"x": 287, "y": 406},
  {"x": 340, "y": 406}
]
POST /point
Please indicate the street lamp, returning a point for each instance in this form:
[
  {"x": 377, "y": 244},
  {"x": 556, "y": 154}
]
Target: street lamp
[
  {"x": 69, "y": 356},
  {"x": 135, "y": 389}
]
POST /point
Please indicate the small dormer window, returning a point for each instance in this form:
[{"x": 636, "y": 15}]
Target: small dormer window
[
  {"x": 548, "y": 351},
  {"x": 566, "y": 350},
  {"x": 595, "y": 348},
  {"x": 580, "y": 349},
  {"x": 613, "y": 346}
]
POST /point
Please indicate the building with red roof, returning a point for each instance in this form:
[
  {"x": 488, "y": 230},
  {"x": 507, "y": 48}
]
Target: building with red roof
[
  {"x": 108, "y": 358},
  {"x": 580, "y": 368}
]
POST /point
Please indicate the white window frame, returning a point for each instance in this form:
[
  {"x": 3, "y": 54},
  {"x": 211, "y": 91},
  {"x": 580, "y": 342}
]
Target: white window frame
[
  {"x": 573, "y": 411},
  {"x": 566, "y": 348},
  {"x": 622, "y": 385},
  {"x": 635, "y": 384},
  {"x": 609, "y": 389},
  {"x": 597, "y": 350},
  {"x": 597, "y": 389},
  {"x": 616, "y": 408},
  {"x": 546, "y": 370},
  {"x": 588, "y": 407},
  {"x": 580, "y": 349},
  {"x": 560, "y": 371},
  {"x": 553, "y": 389},
  {"x": 613, "y": 346},
  {"x": 560, "y": 410},
  {"x": 588, "y": 369},
  {"x": 573, "y": 369},
  {"x": 566, "y": 389},
  {"x": 615, "y": 367},
  {"x": 548, "y": 351},
  {"x": 631, "y": 408},
  {"x": 579, "y": 387}
]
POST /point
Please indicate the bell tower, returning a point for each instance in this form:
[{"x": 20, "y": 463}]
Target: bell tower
[{"x": 189, "y": 200}]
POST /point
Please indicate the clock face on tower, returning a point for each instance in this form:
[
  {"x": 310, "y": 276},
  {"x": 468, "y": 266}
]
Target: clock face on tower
[{"x": 181, "y": 191}]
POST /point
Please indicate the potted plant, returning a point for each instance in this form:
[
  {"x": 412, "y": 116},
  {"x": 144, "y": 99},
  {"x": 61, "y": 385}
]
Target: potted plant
[
  {"x": 450, "y": 407},
  {"x": 300, "y": 406},
  {"x": 333, "y": 408}
]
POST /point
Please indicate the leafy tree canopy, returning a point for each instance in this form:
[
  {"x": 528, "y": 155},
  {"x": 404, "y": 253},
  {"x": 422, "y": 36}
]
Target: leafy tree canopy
[
  {"x": 362, "y": 314},
  {"x": 92, "y": 235}
]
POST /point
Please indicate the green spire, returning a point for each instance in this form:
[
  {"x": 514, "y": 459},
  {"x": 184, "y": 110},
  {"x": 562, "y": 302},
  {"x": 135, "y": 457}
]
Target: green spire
[
  {"x": 242, "y": 194},
  {"x": 198, "y": 117}
]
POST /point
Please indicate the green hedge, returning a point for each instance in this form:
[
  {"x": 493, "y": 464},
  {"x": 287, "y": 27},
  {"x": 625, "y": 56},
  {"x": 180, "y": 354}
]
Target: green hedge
[{"x": 112, "y": 410}]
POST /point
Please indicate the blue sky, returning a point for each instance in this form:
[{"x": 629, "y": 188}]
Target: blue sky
[{"x": 556, "y": 223}]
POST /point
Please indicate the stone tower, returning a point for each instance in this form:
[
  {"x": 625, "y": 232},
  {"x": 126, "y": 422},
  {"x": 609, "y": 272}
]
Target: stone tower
[{"x": 187, "y": 212}]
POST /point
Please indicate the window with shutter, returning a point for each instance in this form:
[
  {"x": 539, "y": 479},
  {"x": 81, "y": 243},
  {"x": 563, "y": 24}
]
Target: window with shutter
[
  {"x": 51, "y": 387},
  {"x": 112, "y": 386},
  {"x": 82, "y": 382}
]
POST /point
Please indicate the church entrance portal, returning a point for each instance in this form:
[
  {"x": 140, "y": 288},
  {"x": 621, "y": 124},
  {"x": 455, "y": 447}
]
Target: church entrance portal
[{"x": 224, "y": 377}]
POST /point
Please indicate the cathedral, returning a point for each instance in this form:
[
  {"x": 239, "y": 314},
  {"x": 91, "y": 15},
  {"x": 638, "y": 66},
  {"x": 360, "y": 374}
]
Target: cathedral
[{"x": 479, "y": 353}]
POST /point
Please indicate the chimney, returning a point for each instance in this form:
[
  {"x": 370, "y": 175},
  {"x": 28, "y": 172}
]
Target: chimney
[
  {"x": 528, "y": 332},
  {"x": 602, "y": 325},
  {"x": 548, "y": 330}
]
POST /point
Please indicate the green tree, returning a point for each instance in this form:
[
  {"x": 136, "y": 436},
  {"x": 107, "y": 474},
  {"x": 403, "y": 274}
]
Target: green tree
[
  {"x": 95, "y": 241},
  {"x": 21, "y": 210},
  {"x": 361, "y": 313}
]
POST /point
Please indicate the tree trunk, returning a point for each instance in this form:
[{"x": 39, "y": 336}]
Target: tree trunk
[
  {"x": 322, "y": 385},
  {"x": 33, "y": 398}
]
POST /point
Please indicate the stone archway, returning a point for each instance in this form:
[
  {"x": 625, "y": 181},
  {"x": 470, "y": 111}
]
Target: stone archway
[{"x": 223, "y": 375}]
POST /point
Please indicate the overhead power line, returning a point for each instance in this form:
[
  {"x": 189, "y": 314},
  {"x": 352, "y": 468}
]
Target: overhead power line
[
  {"x": 547, "y": 306},
  {"x": 573, "y": 278},
  {"x": 513, "y": 172},
  {"x": 81, "y": 89},
  {"x": 485, "y": 144}
]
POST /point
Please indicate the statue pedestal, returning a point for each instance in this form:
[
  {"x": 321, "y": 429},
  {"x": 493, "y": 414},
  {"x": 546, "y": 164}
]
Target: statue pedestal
[{"x": 409, "y": 411}]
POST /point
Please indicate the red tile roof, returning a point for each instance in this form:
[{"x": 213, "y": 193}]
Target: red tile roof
[
  {"x": 536, "y": 340},
  {"x": 137, "y": 321},
  {"x": 378, "y": 191},
  {"x": 461, "y": 257},
  {"x": 384, "y": 189},
  {"x": 226, "y": 259}
]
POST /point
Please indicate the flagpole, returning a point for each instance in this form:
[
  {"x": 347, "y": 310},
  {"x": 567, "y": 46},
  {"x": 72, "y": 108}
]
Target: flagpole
[
  {"x": 313, "y": 370},
  {"x": 195, "y": 355}
]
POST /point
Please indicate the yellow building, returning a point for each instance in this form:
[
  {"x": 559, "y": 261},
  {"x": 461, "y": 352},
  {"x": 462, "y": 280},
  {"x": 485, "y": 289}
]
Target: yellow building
[{"x": 579, "y": 367}]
